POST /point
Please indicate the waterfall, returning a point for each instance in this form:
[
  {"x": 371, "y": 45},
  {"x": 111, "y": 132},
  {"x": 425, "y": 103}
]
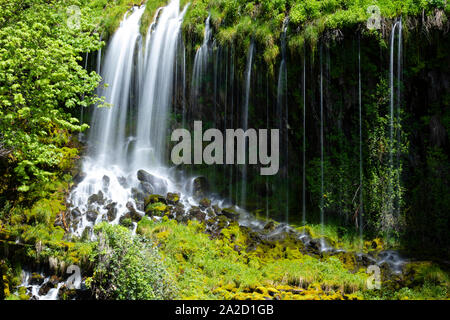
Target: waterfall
[
  {"x": 394, "y": 142},
  {"x": 361, "y": 204},
  {"x": 322, "y": 219},
  {"x": 117, "y": 150},
  {"x": 304, "y": 142},
  {"x": 399, "y": 97},
  {"x": 267, "y": 126},
  {"x": 108, "y": 125},
  {"x": 99, "y": 59},
  {"x": 282, "y": 113},
  {"x": 184, "y": 86},
  {"x": 157, "y": 85},
  {"x": 201, "y": 64},
  {"x": 107, "y": 138},
  {"x": 248, "y": 74},
  {"x": 85, "y": 68},
  {"x": 148, "y": 36},
  {"x": 232, "y": 115}
]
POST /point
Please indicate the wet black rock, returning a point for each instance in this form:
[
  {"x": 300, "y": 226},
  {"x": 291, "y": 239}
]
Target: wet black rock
[
  {"x": 230, "y": 214},
  {"x": 111, "y": 211},
  {"x": 217, "y": 209},
  {"x": 123, "y": 182},
  {"x": 79, "y": 177},
  {"x": 106, "y": 181},
  {"x": 200, "y": 187},
  {"x": 365, "y": 259},
  {"x": 204, "y": 203},
  {"x": 314, "y": 246},
  {"x": 146, "y": 188},
  {"x": 76, "y": 213},
  {"x": 178, "y": 209},
  {"x": 36, "y": 279},
  {"x": 158, "y": 185},
  {"x": 133, "y": 214},
  {"x": 154, "y": 198},
  {"x": 196, "y": 213},
  {"x": 270, "y": 226},
  {"x": 139, "y": 198},
  {"x": 91, "y": 215},
  {"x": 45, "y": 288},
  {"x": 97, "y": 198},
  {"x": 210, "y": 213}
]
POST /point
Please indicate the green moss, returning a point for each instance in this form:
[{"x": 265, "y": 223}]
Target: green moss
[
  {"x": 110, "y": 14},
  {"x": 149, "y": 14},
  {"x": 157, "y": 209},
  {"x": 235, "y": 21},
  {"x": 222, "y": 268}
]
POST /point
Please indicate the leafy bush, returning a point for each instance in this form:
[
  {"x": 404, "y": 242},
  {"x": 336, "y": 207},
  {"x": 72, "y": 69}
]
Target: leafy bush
[
  {"x": 40, "y": 80},
  {"x": 127, "y": 267}
]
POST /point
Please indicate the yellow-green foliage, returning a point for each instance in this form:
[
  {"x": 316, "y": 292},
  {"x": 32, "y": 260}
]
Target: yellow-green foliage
[
  {"x": 221, "y": 268},
  {"x": 149, "y": 14},
  {"x": 235, "y": 20},
  {"x": 110, "y": 13}
]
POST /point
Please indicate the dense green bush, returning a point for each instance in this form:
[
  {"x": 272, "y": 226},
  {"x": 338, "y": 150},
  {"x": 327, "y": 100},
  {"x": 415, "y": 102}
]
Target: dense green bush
[
  {"x": 41, "y": 79},
  {"x": 128, "y": 267}
]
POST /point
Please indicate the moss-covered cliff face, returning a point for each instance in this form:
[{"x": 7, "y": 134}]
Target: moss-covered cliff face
[{"x": 330, "y": 39}]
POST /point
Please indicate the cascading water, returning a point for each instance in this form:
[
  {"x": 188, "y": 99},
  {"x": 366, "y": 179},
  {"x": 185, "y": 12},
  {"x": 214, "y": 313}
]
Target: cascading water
[
  {"x": 361, "y": 204},
  {"x": 267, "y": 126},
  {"x": 201, "y": 63},
  {"x": 150, "y": 145},
  {"x": 110, "y": 187},
  {"x": 304, "y": 143},
  {"x": 118, "y": 153},
  {"x": 248, "y": 74},
  {"x": 232, "y": 89},
  {"x": 399, "y": 98},
  {"x": 282, "y": 110},
  {"x": 394, "y": 119},
  {"x": 322, "y": 218},
  {"x": 184, "y": 87},
  {"x": 108, "y": 139},
  {"x": 148, "y": 36}
]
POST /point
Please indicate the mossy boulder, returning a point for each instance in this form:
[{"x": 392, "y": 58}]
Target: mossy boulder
[
  {"x": 197, "y": 214},
  {"x": 173, "y": 198},
  {"x": 376, "y": 244},
  {"x": 205, "y": 203},
  {"x": 133, "y": 213},
  {"x": 270, "y": 226},
  {"x": 36, "y": 279},
  {"x": 154, "y": 198},
  {"x": 97, "y": 198},
  {"x": 126, "y": 222},
  {"x": 111, "y": 211},
  {"x": 91, "y": 215},
  {"x": 230, "y": 213},
  {"x": 348, "y": 259},
  {"x": 158, "y": 209}
]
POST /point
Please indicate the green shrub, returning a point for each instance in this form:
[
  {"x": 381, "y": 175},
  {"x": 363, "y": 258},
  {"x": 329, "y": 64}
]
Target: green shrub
[{"x": 127, "y": 267}]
